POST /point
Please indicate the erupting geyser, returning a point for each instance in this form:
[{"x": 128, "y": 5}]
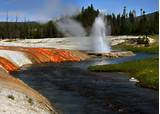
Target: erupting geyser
[{"x": 100, "y": 43}]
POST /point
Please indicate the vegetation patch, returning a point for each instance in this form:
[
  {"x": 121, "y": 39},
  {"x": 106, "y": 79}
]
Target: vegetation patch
[
  {"x": 153, "y": 48},
  {"x": 10, "y": 40},
  {"x": 146, "y": 71},
  {"x": 30, "y": 101},
  {"x": 11, "y": 97}
]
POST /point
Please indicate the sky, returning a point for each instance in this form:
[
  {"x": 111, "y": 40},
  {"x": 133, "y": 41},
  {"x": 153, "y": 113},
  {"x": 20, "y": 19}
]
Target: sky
[{"x": 43, "y": 10}]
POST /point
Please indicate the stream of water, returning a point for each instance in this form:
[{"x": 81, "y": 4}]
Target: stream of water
[{"x": 74, "y": 90}]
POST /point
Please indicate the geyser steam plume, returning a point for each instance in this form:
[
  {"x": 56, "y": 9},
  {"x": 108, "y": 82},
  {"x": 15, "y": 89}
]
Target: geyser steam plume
[
  {"x": 70, "y": 27},
  {"x": 100, "y": 43}
]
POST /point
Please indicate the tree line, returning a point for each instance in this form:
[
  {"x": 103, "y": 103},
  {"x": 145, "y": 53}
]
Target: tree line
[
  {"x": 128, "y": 24},
  {"x": 121, "y": 24},
  {"x": 28, "y": 30}
]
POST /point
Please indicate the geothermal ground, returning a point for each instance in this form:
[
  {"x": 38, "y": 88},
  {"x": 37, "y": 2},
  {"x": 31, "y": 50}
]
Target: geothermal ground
[
  {"x": 61, "y": 76},
  {"x": 16, "y": 96},
  {"x": 72, "y": 43}
]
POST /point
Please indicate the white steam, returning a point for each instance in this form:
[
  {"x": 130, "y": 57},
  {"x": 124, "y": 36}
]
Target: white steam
[
  {"x": 100, "y": 41},
  {"x": 70, "y": 27},
  {"x": 54, "y": 9}
]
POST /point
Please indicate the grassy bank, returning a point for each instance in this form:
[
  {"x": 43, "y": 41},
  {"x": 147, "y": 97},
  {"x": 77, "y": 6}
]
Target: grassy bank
[
  {"x": 151, "y": 49},
  {"x": 146, "y": 71}
]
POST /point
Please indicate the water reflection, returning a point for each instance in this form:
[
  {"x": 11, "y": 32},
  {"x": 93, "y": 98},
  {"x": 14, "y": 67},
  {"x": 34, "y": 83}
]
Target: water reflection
[{"x": 103, "y": 60}]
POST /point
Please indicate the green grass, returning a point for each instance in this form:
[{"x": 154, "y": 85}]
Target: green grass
[
  {"x": 156, "y": 37},
  {"x": 146, "y": 71},
  {"x": 151, "y": 49},
  {"x": 154, "y": 48}
]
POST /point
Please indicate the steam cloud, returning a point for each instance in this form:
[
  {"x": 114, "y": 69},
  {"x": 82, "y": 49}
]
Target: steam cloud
[
  {"x": 57, "y": 8},
  {"x": 70, "y": 27}
]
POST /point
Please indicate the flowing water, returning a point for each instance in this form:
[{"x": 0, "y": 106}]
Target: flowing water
[{"x": 74, "y": 90}]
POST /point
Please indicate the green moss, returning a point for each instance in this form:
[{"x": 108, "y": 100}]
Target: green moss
[{"x": 146, "y": 71}]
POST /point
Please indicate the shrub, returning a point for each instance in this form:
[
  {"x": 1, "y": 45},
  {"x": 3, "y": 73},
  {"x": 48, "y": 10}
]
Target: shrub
[{"x": 11, "y": 97}]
